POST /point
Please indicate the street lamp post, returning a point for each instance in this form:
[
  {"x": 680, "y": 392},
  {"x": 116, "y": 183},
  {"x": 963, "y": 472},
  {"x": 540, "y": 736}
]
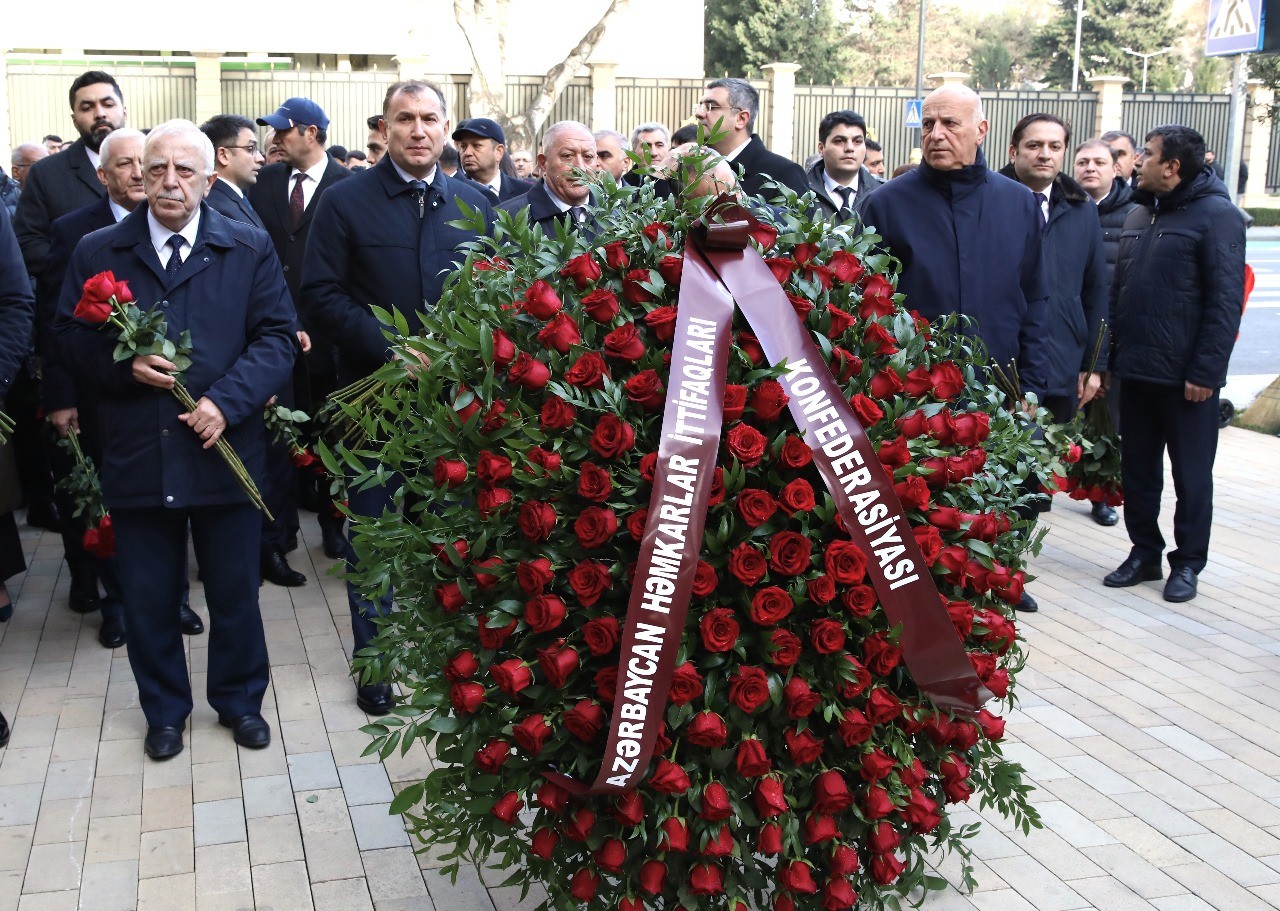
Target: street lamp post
[
  {"x": 1145, "y": 58},
  {"x": 1075, "y": 63}
]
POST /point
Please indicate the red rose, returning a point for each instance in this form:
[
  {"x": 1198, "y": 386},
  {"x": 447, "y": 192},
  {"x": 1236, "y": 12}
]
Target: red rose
[
  {"x": 819, "y": 828},
  {"x": 540, "y": 301},
  {"x": 881, "y": 655},
  {"x": 784, "y": 648},
  {"x": 606, "y": 681},
  {"x": 646, "y": 390},
  {"x": 844, "y": 861},
  {"x": 746, "y": 444},
  {"x": 719, "y": 629},
  {"x": 781, "y": 268},
  {"x": 511, "y": 675},
  {"x": 913, "y": 425},
  {"x": 601, "y": 635},
  {"x": 661, "y": 322},
  {"x": 583, "y": 885},
  {"x": 450, "y": 472},
  {"x": 595, "y": 526},
  {"x": 601, "y": 305},
  {"x": 894, "y": 453},
  {"x": 846, "y": 267},
  {"x": 746, "y": 564},
  {"x": 494, "y": 637},
  {"x": 675, "y": 832},
  {"x": 560, "y": 334},
  {"x": 971, "y": 428},
  {"x": 886, "y": 868},
  {"x": 840, "y": 321},
  {"x": 557, "y": 663},
  {"x": 854, "y": 677},
  {"x": 735, "y": 402},
  {"x": 946, "y": 517},
  {"x": 466, "y": 697},
  {"x": 461, "y": 666},
  {"x": 770, "y": 799},
  {"x": 845, "y": 562},
  {"x": 544, "y": 458},
  {"x": 611, "y": 855},
  {"x": 797, "y": 876},
  {"x": 748, "y": 688},
  {"x": 885, "y": 383},
  {"x": 876, "y": 803},
  {"x": 821, "y": 590},
  {"x": 921, "y": 812},
  {"x": 537, "y": 519},
  {"x": 930, "y": 542},
  {"x": 557, "y": 414},
  {"x": 992, "y": 726},
  {"x": 789, "y": 553},
  {"x": 877, "y": 298},
  {"x": 882, "y": 343},
  {"x": 585, "y": 719},
  {"x": 95, "y": 300},
  {"x": 531, "y": 734},
  {"x": 544, "y": 613},
  {"x": 492, "y": 469},
  {"x": 756, "y": 506},
  {"x": 799, "y": 697},
  {"x": 884, "y": 838},
  {"x": 876, "y": 765},
  {"x": 948, "y": 381},
  {"x": 686, "y": 684},
  {"x": 705, "y": 579},
  {"x": 854, "y": 728},
  {"x": 859, "y": 600},
  {"x": 544, "y": 843},
  {"x": 751, "y": 760},
  {"x": 615, "y": 255},
  {"x": 653, "y": 877},
  {"x": 671, "y": 268},
  {"x": 750, "y": 346},
  {"x": 706, "y": 879},
  {"x": 827, "y": 636},
  {"x": 448, "y": 596},
  {"x": 658, "y": 233},
  {"x": 838, "y": 893},
  {"x": 612, "y": 437},
  {"x": 579, "y": 825},
  {"x": 831, "y": 793},
  {"x": 913, "y": 775},
  {"x": 624, "y": 343},
  {"x": 533, "y": 576},
  {"x": 669, "y": 778},
  {"x": 719, "y": 845},
  {"x": 803, "y": 746},
  {"x": 492, "y": 756},
  {"x": 715, "y": 803},
  {"x": 770, "y": 841},
  {"x": 764, "y": 234},
  {"x": 797, "y": 496},
  {"x": 769, "y": 606},
  {"x": 913, "y": 492},
  {"x": 866, "y": 410},
  {"x": 582, "y": 269},
  {"x": 507, "y": 807},
  {"x": 648, "y": 466},
  {"x": 707, "y": 729},
  {"x": 918, "y": 382},
  {"x": 633, "y": 290},
  {"x": 768, "y": 400},
  {"x": 587, "y": 372},
  {"x": 883, "y": 706}
]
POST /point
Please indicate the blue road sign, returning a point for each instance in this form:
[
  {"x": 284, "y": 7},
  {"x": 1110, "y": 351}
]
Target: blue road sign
[
  {"x": 1235, "y": 27},
  {"x": 913, "y": 112}
]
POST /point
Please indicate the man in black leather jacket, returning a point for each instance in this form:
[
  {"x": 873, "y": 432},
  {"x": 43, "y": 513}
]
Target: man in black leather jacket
[{"x": 1176, "y": 301}]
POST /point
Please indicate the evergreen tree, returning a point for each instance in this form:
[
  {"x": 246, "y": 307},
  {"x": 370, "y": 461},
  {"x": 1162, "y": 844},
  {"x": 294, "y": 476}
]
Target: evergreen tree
[
  {"x": 992, "y": 65},
  {"x": 1109, "y": 25},
  {"x": 743, "y": 35}
]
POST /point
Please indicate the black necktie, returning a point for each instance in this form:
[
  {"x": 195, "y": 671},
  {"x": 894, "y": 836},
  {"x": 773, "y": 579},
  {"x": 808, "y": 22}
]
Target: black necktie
[
  {"x": 578, "y": 214},
  {"x": 420, "y": 194},
  {"x": 175, "y": 258},
  {"x": 846, "y": 194}
]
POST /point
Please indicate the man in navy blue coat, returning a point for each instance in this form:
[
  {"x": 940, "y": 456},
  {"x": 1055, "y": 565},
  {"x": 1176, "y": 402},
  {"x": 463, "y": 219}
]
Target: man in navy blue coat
[
  {"x": 222, "y": 282},
  {"x": 560, "y": 196},
  {"x": 383, "y": 239}
]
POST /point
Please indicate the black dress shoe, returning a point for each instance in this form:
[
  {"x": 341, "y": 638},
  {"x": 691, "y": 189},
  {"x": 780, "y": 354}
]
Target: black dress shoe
[
  {"x": 1027, "y": 605},
  {"x": 4, "y": 732},
  {"x": 374, "y": 698},
  {"x": 276, "y": 570},
  {"x": 1181, "y": 585},
  {"x": 111, "y": 633},
  {"x": 332, "y": 538},
  {"x": 82, "y": 604},
  {"x": 44, "y": 515},
  {"x": 250, "y": 731},
  {"x": 1133, "y": 571},
  {"x": 163, "y": 742},
  {"x": 192, "y": 625},
  {"x": 1104, "y": 515}
]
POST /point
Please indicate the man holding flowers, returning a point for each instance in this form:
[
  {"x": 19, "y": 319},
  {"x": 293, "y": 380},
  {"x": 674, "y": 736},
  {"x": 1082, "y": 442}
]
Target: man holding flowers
[{"x": 219, "y": 281}]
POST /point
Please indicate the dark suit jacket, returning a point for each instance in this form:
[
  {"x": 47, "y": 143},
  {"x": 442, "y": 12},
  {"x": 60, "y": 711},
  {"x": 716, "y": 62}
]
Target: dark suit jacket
[
  {"x": 371, "y": 247},
  {"x": 229, "y": 294},
  {"x": 55, "y": 186},
  {"x": 59, "y": 388},
  {"x": 15, "y": 306},
  {"x": 544, "y": 211},
  {"x": 231, "y": 204},
  {"x": 270, "y": 199},
  {"x": 867, "y": 183},
  {"x": 755, "y": 165}
]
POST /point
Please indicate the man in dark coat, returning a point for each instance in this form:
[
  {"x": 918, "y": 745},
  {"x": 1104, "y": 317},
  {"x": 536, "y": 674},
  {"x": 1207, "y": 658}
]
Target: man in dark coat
[
  {"x": 970, "y": 241},
  {"x": 286, "y": 196},
  {"x": 384, "y": 239},
  {"x": 729, "y": 108},
  {"x": 221, "y": 281},
  {"x": 1176, "y": 302},
  {"x": 560, "y": 197},
  {"x": 481, "y": 147},
  {"x": 840, "y": 181}
]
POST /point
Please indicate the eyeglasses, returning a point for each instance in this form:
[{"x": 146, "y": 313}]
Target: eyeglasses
[
  {"x": 710, "y": 107},
  {"x": 252, "y": 148}
]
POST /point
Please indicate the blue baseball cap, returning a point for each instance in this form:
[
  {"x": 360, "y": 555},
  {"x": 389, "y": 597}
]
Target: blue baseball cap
[
  {"x": 482, "y": 127},
  {"x": 296, "y": 112}
]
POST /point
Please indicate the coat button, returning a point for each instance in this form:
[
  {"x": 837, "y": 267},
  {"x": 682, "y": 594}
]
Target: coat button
[
  {"x": 168, "y": 499},
  {"x": 286, "y": 268},
  {"x": 164, "y": 433}
]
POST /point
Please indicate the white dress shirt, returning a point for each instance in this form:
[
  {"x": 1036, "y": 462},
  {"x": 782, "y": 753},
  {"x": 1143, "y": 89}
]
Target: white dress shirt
[
  {"x": 315, "y": 174},
  {"x": 832, "y": 191},
  {"x": 118, "y": 212},
  {"x": 160, "y": 237},
  {"x": 409, "y": 178}
]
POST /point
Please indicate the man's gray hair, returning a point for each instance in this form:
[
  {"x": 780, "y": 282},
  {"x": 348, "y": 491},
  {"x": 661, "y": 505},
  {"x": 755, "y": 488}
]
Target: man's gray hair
[
  {"x": 186, "y": 130},
  {"x": 104, "y": 150},
  {"x": 564, "y": 126},
  {"x": 742, "y": 95},
  {"x": 19, "y": 155},
  {"x": 618, "y": 137},
  {"x": 651, "y": 127}
]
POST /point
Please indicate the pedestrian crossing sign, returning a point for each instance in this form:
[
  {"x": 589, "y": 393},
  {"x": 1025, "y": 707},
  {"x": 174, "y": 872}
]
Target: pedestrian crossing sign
[
  {"x": 913, "y": 113},
  {"x": 1235, "y": 27}
]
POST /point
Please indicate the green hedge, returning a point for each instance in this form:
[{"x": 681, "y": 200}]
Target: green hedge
[{"x": 1266, "y": 218}]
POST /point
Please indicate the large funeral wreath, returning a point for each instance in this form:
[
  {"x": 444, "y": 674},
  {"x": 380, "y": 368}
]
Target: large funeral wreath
[{"x": 799, "y": 765}]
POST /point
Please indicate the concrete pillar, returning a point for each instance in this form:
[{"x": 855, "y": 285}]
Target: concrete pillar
[
  {"x": 344, "y": 63},
  {"x": 949, "y": 78},
  {"x": 604, "y": 96},
  {"x": 1257, "y": 145},
  {"x": 1110, "y": 111},
  {"x": 208, "y": 84},
  {"x": 782, "y": 91},
  {"x": 411, "y": 66}
]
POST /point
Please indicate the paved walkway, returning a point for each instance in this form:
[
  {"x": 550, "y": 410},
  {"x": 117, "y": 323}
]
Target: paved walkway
[{"x": 1151, "y": 730}]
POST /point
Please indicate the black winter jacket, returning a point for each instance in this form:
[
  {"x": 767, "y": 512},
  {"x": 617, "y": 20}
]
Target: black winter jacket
[
  {"x": 1112, "y": 211},
  {"x": 1179, "y": 286}
]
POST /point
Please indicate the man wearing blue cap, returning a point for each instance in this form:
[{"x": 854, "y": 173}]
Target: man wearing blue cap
[
  {"x": 481, "y": 145},
  {"x": 285, "y": 197}
]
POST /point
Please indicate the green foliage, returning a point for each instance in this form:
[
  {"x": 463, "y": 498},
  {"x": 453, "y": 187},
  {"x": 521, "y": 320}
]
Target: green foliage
[
  {"x": 744, "y": 35},
  {"x": 992, "y": 65},
  {"x": 1109, "y": 25}
]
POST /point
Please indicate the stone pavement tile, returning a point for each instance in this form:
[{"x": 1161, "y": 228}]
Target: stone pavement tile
[
  {"x": 1057, "y": 855},
  {"x": 306, "y": 736},
  {"x": 313, "y": 771},
  {"x": 215, "y": 780},
  {"x": 376, "y": 828},
  {"x": 1185, "y": 902},
  {"x": 113, "y": 838},
  {"x": 393, "y": 873},
  {"x": 1246, "y": 776},
  {"x": 1038, "y": 766},
  {"x": 348, "y": 748},
  {"x": 1218, "y": 890},
  {"x": 1100, "y": 776},
  {"x": 295, "y": 694},
  {"x": 69, "y": 778},
  {"x": 1243, "y": 803},
  {"x": 1001, "y": 900},
  {"x": 51, "y": 901},
  {"x": 1072, "y": 827},
  {"x": 422, "y": 903},
  {"x": 172, "y": 773},
  {"x": 241, "y": 900},
  {"x": 1105, "y": 894},
  {"x": 117, "y": 795},
  {"x": 121, "y": 757},
  {"x": 63, "y": 820},
  {"x": 168, "y": 893},
  {"x": 1033, "y": 881},
  {"x": 27, "y": 765},
  {"x": 1240, "y": 832},
  {"x": 166, "y": 808},
  {"x": 54, "y": 868},
  {"x": 1155, "y": 811},
  {"x": 282, "y": 887},
  {"x": 166, "y": 853},
  {"x": 1133, "y": 871},
  {"x": 10, "y": 889},
  {"x": 111, "y": 886},
  {"x": 1190, "y": 772},
  {"x": 15, "y": 845},
  {"x": 222, "y": 869},
  {"x": 467, "y": 894},
  {"x": 364, "y": 784},
  {"x": 507, "y": 898},
  {"x": 19, "y": 805},
  {"x": 265, "y": 762},
  {"x": 220, "y": 822},
  {"x": 1081, "y": 797},
  {"x": 270, "y": 795},
  {"x": 328, "y": 836},
  {"x": 35, "y": 731},
  {"x": 274, "y": 840},
  {"x": 1225, "y": 857},
  {"x": 413, "y": 766},
  {"x": 342, "y": 895}
]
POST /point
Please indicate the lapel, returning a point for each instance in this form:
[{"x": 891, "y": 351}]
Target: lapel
[
  {"x": 326, "y": 180},
  {"x": 214, "y": 234},
  {"x": 247, "y": 208},
  {"x": 82, "y": 167}
]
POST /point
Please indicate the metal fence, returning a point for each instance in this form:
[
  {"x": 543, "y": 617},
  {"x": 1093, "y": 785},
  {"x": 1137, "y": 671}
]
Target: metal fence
[
  {"x": 1207, "y": 114},
  {"x": 668, "y": 101},
  {"x": 153, "y": 92},
  {"x": 884, "y": 109},
  {"x": 1004, "y": 109}
]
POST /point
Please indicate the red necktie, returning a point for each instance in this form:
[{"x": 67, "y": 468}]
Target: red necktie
[{"x": 297, "y": 203}]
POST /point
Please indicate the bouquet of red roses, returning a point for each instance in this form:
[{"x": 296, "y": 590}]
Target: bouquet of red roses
[
  {"x": 105, "y": 300},
  {"x": 1091, "y": 456},
  {"x": 797, "y": 761},
  {"x": 86, "y": 492}
]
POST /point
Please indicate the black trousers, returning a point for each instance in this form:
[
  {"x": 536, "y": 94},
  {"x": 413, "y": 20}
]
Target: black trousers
[
  {"x": 151, "y": 549},
  {"x": 1157, "y": 418}
]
